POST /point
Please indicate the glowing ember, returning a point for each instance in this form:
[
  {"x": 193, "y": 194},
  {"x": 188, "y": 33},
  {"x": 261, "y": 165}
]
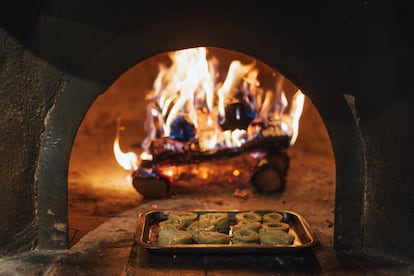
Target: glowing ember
[
  {"x": 189, "y": 103},
  {"x": 236, "y": 172}
]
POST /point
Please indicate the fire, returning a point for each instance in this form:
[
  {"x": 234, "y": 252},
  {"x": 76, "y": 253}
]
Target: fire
[
  {"x": 295, "y": 113},
  {"x": 188, "y": 102},
  {"x": 129, "y": 160},
  {"x": 236, "y": 172}
]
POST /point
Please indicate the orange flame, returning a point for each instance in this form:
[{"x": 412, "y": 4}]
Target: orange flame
[
  {"x": 295, "y": 113},
  {"x": 129, "y": 160},
  {"x": 188, "y": 93}
]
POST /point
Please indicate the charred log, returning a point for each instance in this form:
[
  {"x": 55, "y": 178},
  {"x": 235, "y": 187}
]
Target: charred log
[
  {"x": 149, "y": 184},
  {"x": 238, "y": 115},
  {"x": 169, "y": 151},
  {"x": 182, "y": 129},
  {"x": 270, "y": 173},
  {"x": 266, "y": 160}
]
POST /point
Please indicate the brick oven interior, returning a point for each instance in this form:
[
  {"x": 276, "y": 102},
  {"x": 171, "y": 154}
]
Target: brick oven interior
[
  {"x": 66, "y": 73},
  {"x": 98, "y": 186}
]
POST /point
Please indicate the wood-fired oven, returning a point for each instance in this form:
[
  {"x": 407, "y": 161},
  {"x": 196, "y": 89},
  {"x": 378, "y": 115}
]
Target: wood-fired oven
[{"x": 351, "y": 59}]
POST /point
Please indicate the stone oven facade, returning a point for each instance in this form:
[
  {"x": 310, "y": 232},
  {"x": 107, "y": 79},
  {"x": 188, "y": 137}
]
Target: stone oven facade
[{"x": 352, "y": 59}]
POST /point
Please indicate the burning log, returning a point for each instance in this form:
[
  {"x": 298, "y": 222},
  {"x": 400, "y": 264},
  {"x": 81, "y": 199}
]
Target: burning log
[
  {"x": 172, "y": 152},
  {"x": 157, "y": 187},
  {"x": 196, "y": 116},
  {"x": 182, "y": 129},
  {"x": 149, "y": 184},
  {"x": 266, "y": 157},
  {"x": 237, "y": 115},
  {"x": 269, "y": 175}
]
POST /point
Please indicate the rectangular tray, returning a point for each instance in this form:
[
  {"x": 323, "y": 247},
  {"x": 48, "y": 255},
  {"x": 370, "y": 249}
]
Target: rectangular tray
[{"x": 148, "y": 229}]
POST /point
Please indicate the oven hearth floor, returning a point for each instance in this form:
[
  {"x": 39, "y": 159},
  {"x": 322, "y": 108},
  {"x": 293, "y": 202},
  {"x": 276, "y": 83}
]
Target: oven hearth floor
[{"x": 109, "y": 249}]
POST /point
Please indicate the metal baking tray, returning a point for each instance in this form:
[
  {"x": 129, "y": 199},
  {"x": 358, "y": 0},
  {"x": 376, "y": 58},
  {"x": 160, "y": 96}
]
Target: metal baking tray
[{"x": 148, "y": 231}]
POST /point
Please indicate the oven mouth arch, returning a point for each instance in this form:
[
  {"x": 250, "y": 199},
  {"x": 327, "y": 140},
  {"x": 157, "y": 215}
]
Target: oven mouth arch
[{"x": 65, "y": 116}]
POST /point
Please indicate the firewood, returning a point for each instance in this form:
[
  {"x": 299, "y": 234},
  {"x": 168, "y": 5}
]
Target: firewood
[
  {"x": 150, "y": 187},
  {"x": 169, "y": 151},
  {"x": 269, "y": 175}
]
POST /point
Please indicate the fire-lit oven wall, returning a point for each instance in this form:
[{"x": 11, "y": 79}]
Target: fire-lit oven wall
[{"x": 351, "y": 59}]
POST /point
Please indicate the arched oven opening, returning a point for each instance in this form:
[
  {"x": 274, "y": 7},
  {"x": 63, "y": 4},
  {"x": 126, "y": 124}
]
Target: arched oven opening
[
  {"x": 70, "y": 108},
  {"x": 265, "y": 162}
]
